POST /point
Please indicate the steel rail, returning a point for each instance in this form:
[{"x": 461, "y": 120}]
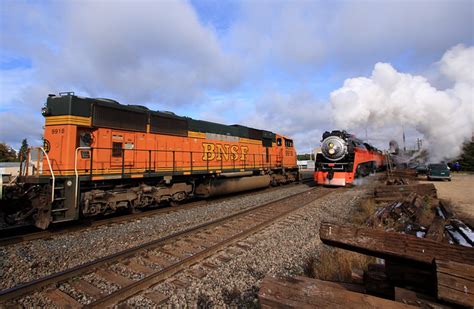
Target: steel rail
[
  {"x": 156, "y": 277},
  {"x": 22, "y": 289},
  {"x": 5, "y": 241}
]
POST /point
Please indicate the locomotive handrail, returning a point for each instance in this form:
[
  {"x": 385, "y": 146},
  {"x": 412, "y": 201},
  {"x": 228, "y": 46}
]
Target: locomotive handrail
[
  {"x": 52, "y": 173},
  {"x": 76, "y": 173},
  {"x": 265, "y": 161}
]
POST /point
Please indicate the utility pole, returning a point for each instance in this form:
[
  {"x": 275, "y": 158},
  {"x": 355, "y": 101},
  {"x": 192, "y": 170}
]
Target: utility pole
[
  {"x": 404, "y": 142},
  {"x": 419, "y": 142}
]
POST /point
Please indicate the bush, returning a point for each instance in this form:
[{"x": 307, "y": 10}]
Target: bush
[{"x": 467, "y": 157}]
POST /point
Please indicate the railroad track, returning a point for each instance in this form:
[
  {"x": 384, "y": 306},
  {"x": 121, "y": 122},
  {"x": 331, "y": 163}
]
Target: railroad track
[
  {"x": 20, "y": 236},
  {"x": 158, "y": 260}
]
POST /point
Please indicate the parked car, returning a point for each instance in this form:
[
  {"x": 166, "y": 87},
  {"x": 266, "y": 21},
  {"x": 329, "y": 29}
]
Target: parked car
[
  {"x": 421, "y": 169},
  {"x": 438, "y": 171}
]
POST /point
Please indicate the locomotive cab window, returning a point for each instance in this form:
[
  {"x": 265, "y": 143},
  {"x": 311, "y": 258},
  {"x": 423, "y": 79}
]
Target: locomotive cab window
[
  {"x": 116, "y": 149},
  {"x": 279, "y": 141},
  {"x": 288, "y": 143}
]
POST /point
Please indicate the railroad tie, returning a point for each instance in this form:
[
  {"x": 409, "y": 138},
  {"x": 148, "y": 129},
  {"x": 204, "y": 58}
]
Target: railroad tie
[
  {"x": 87, "y": 288},
  {"x": 61, "y": 299},
  {"x": 197, "y": 273},
  {"x": 181, "y": 283},
  {"x": 156, "y": 259},
  {"x": 138, "y": 268},
  {"x": 157, "y": 297},
  {"x": 114, "y": 277},
  {"x": 210, "y": 265}
]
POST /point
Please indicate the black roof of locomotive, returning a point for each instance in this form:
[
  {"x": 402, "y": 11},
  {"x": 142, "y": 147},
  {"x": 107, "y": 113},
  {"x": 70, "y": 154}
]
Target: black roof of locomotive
[
  {"x": 350, "y": 138},
  {"x": 112, "y": 114}
]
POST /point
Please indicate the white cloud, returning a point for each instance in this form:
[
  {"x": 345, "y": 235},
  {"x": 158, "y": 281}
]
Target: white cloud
[
  {"x": 143, "y": 51},
  {"x": 392, "y": 99},
  {"x": 301, "y": 36},
  {"x": 134, "y": 51},
  {"x": 298, "y": 115},
  {"x": 159, "y": 53}
]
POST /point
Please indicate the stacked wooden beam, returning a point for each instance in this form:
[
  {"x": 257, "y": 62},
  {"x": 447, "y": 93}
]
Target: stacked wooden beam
[
  {"x": 390, "y": 193},
  {"x": 301, "y": 292},
  {"x": 418, "y": 272},
  {"x": 435, "y": 270},
  {"x": 423, "y": 216},
  {"x": 412, "y": 214},
  {"x": 414, "y": 234},
  {"x": 404, "y": 173}
]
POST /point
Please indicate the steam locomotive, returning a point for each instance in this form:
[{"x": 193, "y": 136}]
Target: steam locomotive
[
  {"x": 344, "y": 158},
  {"x": 100, "y": 156}
]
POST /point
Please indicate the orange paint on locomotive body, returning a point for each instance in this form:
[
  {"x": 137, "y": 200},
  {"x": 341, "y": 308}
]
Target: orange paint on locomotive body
[{"x": 119, "y": 151}]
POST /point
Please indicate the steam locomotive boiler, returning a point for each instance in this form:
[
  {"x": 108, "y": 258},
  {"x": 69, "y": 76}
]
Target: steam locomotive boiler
[
  {"x": 100, "y": 156},
  {"x": 344, "y": 158}
]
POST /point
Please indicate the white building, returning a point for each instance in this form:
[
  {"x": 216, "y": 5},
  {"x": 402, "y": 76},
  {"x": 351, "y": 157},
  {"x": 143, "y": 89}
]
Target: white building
[{"x": 305, "y": 164}]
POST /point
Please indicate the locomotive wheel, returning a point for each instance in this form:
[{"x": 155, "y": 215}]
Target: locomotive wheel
[
  {"x": 9, "y": 219},
  {"x": 175, "y": 203}
]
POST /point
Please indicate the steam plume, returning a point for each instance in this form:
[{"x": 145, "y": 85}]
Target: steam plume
[{"x": 391, "y": 99}]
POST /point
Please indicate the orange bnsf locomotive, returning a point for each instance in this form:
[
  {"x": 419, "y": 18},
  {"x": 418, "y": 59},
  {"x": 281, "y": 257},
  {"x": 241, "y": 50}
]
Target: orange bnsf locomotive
[
  {"x": 344, "y": 158},
  {"x": 100, "y": 156}
]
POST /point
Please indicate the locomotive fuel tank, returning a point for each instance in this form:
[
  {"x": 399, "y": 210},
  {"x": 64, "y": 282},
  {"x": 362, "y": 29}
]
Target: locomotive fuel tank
[{"x": 221, "y": 186}]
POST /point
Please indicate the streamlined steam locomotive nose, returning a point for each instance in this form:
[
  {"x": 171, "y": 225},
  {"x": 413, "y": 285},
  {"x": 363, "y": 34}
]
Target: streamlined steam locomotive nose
[{"x": 334, "y": 148}]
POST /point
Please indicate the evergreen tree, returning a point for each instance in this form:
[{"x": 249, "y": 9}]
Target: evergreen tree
[
  {"x": 305, "y": 156},
  {"x": 467, "y": 157},
  {"x": 23, "y": 149}
]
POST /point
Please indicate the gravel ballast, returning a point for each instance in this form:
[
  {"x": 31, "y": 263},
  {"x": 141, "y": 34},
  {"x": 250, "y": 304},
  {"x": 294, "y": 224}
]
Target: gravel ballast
[
  {"x": 27, "y": 261},
  {"x": 279, "y": 250}
]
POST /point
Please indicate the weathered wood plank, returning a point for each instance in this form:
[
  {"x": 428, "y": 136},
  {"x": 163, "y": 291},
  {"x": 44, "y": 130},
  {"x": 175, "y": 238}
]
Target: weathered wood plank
[
  {"x": 419, "y": 278},
  {"x": 376, "y": 281},
  {"x": 416, "y": 299},
  {"x": 436, "y": 229},
  {"x": 390, "y": 245},
  {"x": 455, "y": 282},
  {"x": 404, "y": 190},
  {"x": 313, "y": 293}
]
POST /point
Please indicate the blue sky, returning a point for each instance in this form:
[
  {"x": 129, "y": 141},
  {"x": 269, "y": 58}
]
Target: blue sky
[{"x": 267, "y": 64}]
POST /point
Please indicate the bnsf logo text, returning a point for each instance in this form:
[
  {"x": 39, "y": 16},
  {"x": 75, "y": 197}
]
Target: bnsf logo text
[{"x": 218, "y": 152}]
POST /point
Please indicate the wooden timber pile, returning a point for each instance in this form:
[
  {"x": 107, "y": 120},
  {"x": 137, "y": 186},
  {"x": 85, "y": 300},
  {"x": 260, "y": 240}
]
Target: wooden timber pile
[
  {"x": 390, "y": 193},
  {"x": 417, "y": 272},
  {"x": 404, "y": 173},
  {"x": 416, "y": 236},
  {"x": 397, "y": 181},
  {"x": 422, "y": 217},
  {"x": 415, "y": 210}
]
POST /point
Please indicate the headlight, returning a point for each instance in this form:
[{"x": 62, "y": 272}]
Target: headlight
[
  {"x": 334, "y": 148},
  {"x": 45, "y": 111}
]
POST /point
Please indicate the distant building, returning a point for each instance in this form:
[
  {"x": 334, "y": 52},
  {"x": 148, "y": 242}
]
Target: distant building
[
  {"x": 305, "y": 164},
  {"x": 12, "y": 169}
]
